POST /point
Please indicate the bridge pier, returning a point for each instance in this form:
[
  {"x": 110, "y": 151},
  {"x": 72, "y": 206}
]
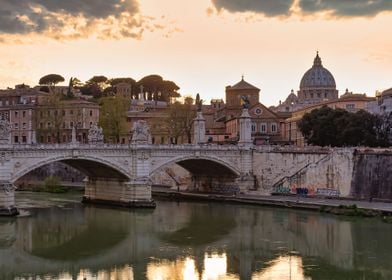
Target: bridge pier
[
  {"x": 134, "y": 193},
  {"x": 7, "y": 200}
]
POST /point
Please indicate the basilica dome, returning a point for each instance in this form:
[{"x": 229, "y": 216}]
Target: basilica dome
[{"x": 317, "y": 76}]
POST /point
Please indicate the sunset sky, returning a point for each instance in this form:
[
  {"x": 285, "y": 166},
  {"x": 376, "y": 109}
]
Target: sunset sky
[{"x": 202, "y": 45}]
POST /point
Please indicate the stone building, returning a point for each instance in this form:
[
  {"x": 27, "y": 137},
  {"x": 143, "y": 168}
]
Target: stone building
[
  {"x": 382, "y": 104},
  {"x": 266, "y": 125},
  {"x": 17, "y": 106},
  {"x": 35, "y": 120},
  {"x": 123, "y": 89},
  {"x": 54, "y": 122},
  {"x": 317, "y": 85}
]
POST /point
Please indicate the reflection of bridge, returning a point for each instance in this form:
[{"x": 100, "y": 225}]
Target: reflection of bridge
[
  {"x": 120, "y": 173},
  {"x": 95, "y": 239}
]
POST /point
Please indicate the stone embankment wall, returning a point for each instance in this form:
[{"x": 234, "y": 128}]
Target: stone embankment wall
[
  {"x": 372, "y": 175},
  {"x": 345, "y": 172}
]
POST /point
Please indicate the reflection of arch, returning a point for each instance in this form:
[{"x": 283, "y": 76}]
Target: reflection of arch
[
  {"x": 201, "y": 165},
  {"x": 88, "y": 165}
]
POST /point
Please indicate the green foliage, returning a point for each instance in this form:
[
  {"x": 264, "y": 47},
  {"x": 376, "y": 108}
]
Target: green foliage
[
  {"x": 113, "y": 117},
  {"x": 116, "y": 81},
  {"x": 51, "y": 79},
  {"x": 338, "y": 128},
  {"x": 95, "y": 86},
  {"x": 52, "y": 184},
  {"x": 158, "y": 89},
  {"x": 179, "y": 120}
]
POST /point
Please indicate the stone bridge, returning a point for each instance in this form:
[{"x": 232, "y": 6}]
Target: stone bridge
[{"x": 120, "y": 174}]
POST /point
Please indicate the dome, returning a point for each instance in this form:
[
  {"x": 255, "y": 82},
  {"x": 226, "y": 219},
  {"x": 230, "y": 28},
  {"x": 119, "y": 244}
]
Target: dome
[{"x": 317, "y": 76}]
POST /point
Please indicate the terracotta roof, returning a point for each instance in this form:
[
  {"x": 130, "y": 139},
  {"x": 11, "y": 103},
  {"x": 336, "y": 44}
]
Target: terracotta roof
[{"x": 242, "y": 85}]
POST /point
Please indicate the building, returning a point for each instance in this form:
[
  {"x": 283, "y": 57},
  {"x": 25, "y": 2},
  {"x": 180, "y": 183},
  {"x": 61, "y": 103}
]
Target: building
[
  {"x": 382, "y": 104},
  {"x": 352, "y": 102},
  {"x": 17, "y": 106},
  {"x": 123, "y": 89},
  {"x": 35, "y": 118},
  {"x": 266, "y": 125},
  {"x": 54, "y": 121},
  {"x": 317, "y": 85}
]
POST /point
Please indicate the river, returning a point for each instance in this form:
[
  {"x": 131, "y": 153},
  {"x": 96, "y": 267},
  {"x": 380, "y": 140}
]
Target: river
[{"x": 56, "y": 237}]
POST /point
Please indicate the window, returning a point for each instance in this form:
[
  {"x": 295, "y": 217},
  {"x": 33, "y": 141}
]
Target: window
[
  {"x": 91, "y": 113},
  {"x": 48, "y": 125},
  {"x": 350, "y": 106},
  {"x": 253, "y": 127},
  {"x": 64, "y": 138},
  {"x": 274, "y": 127},
  {"x": 24, "y": 139},
  {"x": 63, "y": 112},
  {"x": 49, "y": 139},
  {"x": 63, "y": 124},
  {"x": 16, "y": 139},
  {"x": 41, "y": 125},
  {"x": 16, "y": 126},
  {"x": 16, "y": 114},
  {"x": 71, "y": 112},
  {"x": 71, "y": 124},
  {"x": 263, "y": 127},
  {"x": 24, "y": 125},
  {"x": 24, "y": 114}
]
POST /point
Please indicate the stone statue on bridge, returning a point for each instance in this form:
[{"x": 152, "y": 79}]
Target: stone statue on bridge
[
  {"x": 5, "y": 132},
  {"x": 141, "y": 133},
  {"x": 95, "y": 134}
]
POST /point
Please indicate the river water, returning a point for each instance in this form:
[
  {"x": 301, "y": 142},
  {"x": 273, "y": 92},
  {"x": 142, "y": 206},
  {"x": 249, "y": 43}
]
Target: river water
[{"x": 56, "y": 237}]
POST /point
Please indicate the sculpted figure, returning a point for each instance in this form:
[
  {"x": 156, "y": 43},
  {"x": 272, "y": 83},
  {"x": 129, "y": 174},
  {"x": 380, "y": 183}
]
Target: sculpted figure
[
  {"x": 141, "y": 132},
  {"x": 245, "y": 102},
  {"x": 5, "y": 130},
  {"x": 95, "y": 134},
  {"x": 198, "y": 102}
]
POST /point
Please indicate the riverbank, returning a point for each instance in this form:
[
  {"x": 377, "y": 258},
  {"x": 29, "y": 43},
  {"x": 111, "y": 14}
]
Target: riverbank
[{"x": 327, "y": 205}]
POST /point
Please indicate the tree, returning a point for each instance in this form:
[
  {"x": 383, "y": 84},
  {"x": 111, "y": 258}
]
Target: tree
[
  {"x": 178, "y": 121},
  {"x": 95, "y": 86},
  {"x": 337, "y": 128},
  {"x": 158, "y": 89},
  {"x": 116, "y": 81},
  {"x": 51, "y": 80},
  {"x": 113, "y": 117},
  {"x": 73, "y": 82}
]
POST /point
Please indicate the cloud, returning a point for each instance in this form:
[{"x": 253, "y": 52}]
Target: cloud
[
  {"x": 347, "y": 8},
  {"x": 71, "y": 19},
  {"x": 339, "y": 8},
  {"x": 266, "y": 7}
]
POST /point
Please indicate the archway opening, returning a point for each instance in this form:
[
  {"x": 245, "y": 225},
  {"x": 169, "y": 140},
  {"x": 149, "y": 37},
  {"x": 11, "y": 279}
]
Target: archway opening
[
  {"x": 68, "y": 173},
  {"x": 199, "y": 175}
]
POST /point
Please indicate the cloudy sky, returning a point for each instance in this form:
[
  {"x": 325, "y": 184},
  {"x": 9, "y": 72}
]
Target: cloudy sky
[{"x": 202, "y": 45}]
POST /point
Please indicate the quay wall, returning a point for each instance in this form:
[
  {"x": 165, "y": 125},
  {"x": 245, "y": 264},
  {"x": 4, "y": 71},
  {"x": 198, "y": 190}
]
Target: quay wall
[{"x": 344, "y": 172}]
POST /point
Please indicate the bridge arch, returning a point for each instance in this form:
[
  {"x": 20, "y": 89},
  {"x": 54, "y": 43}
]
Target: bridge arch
[
  {"x": 89, "y": 165},
  {"x": 201, "y": 165}
]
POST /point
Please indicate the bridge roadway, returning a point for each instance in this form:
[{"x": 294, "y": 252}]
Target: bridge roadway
[{"x": 120, "y": 174}]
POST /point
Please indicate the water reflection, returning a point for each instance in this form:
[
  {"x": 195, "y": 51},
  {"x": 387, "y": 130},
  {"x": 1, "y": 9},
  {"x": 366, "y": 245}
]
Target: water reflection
[{"x": 192, "y": 241}]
